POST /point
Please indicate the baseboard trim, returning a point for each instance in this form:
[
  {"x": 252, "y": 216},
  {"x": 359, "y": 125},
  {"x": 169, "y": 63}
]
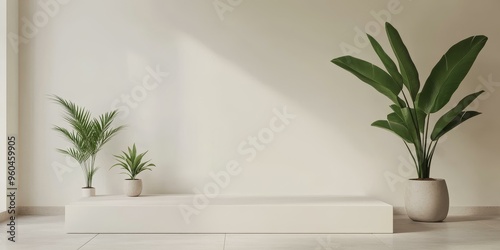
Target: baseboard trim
[
  {"x": 454, "y": 211},
  {"x": 40, "y": 210},
  {"x": 462, "y": 211}
]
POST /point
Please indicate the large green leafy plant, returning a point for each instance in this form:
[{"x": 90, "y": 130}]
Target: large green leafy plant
[
  {"x": 132, "y": 163},
  {"x": 87, "y": 135},
  {"x": 413, "y": 106}
]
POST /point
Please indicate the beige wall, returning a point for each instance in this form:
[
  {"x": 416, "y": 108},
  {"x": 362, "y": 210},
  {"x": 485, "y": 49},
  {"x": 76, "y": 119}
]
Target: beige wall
[
  {"x": 227, "y": 72},
  {"x": 8, "y": 84}
]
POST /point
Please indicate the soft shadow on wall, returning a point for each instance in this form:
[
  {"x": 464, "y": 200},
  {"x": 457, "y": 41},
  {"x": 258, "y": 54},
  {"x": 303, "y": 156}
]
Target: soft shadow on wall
[
  {"x": 288, "y": 47},
  {"x": 285, "y": 56}
]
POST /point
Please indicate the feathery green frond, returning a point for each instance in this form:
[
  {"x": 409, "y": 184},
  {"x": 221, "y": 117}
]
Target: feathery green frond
[{"x": 87, "y": 135}]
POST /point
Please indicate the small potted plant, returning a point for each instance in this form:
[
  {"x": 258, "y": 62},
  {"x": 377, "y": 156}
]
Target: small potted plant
[
  {"x": 87, "y": 135},
  {"x": 133, "y": 165},
  {"x": 426, "y": 198}
]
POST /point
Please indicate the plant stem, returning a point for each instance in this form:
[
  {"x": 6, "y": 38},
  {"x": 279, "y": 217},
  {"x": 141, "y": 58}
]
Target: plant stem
[
  {"x": 426, "y": 134},
  {"x": 414, "y": 118},
  {"x": 92, "y": 169},
  {"x": 86, "y": 172},
  {"x": 412, "y": 156},
  {"x": 432, "y": 151},
  {"x": 429, "y": 149}
]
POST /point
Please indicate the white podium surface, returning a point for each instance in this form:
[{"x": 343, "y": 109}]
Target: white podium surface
[{"x": 228, "y": 214}]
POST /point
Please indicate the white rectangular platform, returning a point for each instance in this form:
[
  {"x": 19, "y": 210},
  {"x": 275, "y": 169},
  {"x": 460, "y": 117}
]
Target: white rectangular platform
[{"x": 229, "y": 214}]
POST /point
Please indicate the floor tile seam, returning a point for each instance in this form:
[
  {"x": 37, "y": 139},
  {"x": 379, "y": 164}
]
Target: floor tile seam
[{"x": 87, "y": 242}]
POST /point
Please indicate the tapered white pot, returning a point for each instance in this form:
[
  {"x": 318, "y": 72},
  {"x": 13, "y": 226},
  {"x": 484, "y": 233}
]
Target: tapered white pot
[
  {"x": 88, "y": 192},
  {"x": 133, "y": 188},
  {"x": 427, "y": 200}
]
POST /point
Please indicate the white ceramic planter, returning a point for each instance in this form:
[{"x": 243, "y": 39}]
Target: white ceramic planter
[
  {"x": 427, "y": 200},
  {"x": 133, "y": 188},
  {"x": 88, "y": 192}
]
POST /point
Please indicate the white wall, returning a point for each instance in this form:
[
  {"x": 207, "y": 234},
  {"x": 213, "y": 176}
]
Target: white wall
[{"x": 226, "y": 77}]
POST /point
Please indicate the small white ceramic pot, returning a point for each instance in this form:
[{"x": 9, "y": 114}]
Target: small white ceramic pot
[
  {"x": 133, "y": 188},
  {"x": 427, "y": 200},
  {"x": 88, "y": 192}
]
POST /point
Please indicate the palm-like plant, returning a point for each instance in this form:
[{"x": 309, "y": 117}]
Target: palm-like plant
[
  {"x": 411, "y": 113},
  {"x": 87, "y": 135},
  {"x": 132, "y": 163}
]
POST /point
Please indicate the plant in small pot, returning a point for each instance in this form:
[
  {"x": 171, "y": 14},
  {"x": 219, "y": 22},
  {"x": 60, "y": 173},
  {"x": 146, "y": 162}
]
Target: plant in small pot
[
  {"x": 87, "y": 136},
  {"x": 133, "y": 165},
  {"x": 426, "y": 199}
]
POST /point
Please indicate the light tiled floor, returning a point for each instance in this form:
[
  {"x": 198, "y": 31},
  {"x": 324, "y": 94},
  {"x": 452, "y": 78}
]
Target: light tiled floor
[{"x": 474, "y": 233}]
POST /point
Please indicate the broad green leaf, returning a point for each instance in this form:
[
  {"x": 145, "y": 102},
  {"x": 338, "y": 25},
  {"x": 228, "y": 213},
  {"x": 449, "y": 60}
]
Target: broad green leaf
[
  {"x": 399, "y": 126},
  {"x": 448, "y": 73},
  {"x": 421, "y": 115},
  {"x": 410, "y": 124},
  {"x": 462, "y": 117},
  {"x": 408, "y": 117},
  {"x": 387, "y": 61},
  {"x": 414, "y": 117},
  {"x": 397, "y": 110},
  {"x": 371, "y": 74},
  {"x": 450, "y": 115},
  {"x": 394, "y": 117},
  {"x": 396, "y": 128},
  {"x": 406, "y": 66}
]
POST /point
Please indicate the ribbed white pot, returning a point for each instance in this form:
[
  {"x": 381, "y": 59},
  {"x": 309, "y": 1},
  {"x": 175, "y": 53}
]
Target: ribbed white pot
[
  {"x": 133, "y": 188},
  {"x": 427, "y": 200},
  {"x": 88, "y": 192}
]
